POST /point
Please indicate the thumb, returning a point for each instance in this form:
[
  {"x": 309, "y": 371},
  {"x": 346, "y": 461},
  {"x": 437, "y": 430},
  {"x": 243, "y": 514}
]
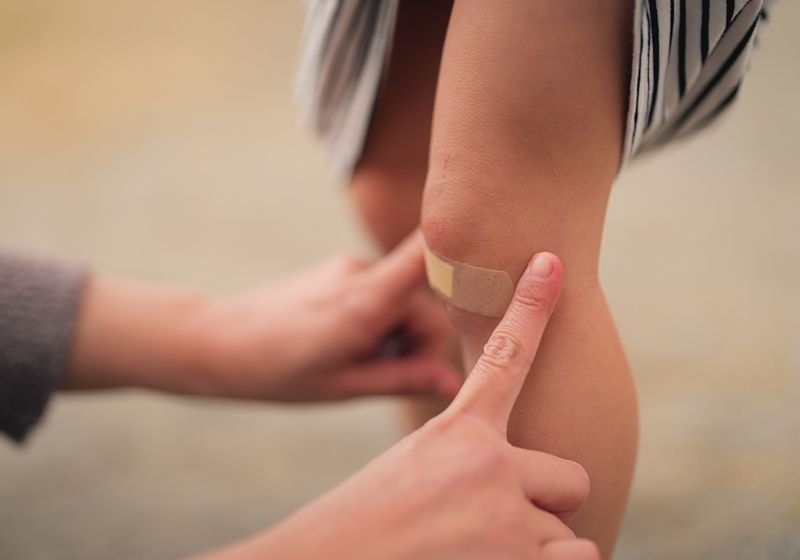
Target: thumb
[
  {"x": 417, "y": 375},
  {"x": 399, "y": 273}
]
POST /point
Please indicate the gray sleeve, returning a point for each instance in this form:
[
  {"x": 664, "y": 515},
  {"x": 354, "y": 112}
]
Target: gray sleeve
[{"x": 39, "y": 302}]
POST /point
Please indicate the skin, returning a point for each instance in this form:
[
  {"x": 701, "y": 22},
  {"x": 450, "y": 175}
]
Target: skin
[
  {"x": 529, "y": 103},
  {"x": 386, "y": 186},
  {"x": 315, "y": 336},
  {"x": 456, "y": 488}
]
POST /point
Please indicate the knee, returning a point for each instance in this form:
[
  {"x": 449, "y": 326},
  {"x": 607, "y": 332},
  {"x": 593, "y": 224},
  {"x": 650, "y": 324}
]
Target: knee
[
  {"x": 463, "y": 219},
  {"x": 387, "y": 202},
  {"x": 499, "y": 226}
]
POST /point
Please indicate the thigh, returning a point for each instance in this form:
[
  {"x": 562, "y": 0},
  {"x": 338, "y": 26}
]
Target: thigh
[
  {"x": 387, "y": 183},
  {"x": 386, "y": 187},
  {"x": 528, "y": 130}
]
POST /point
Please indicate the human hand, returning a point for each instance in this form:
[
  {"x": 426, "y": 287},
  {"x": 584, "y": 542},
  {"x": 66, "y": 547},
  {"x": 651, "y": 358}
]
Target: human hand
[
  {"x": 341, "y": 329},
  {"x": 455, "y": 489}
]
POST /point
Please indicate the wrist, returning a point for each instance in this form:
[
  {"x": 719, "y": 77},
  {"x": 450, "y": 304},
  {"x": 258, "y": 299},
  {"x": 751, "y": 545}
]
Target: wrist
[
  {"x": 202, "y": 344},
  {"x": 132, "y": 335},
  {"x": 181, "y": 349}
]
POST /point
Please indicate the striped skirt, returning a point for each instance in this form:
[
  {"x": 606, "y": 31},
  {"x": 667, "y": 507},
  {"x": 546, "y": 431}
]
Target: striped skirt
[{"x": 689, "y": 59}]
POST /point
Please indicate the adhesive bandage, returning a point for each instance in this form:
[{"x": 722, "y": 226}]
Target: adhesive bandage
[{"x": 478, "y": 290}]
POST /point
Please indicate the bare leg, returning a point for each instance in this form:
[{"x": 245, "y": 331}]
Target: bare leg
[
  {"x": 387, "y": 185},
  {"x": 526, "y": 142}
]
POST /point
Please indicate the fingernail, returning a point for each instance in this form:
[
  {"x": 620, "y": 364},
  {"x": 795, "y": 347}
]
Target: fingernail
[{"x": 542, "y": 266}]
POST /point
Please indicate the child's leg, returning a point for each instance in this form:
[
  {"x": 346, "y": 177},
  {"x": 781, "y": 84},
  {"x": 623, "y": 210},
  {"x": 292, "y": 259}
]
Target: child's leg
[
  {"x": 527, "y": 137},
  {"x": 386, "y": 187}
]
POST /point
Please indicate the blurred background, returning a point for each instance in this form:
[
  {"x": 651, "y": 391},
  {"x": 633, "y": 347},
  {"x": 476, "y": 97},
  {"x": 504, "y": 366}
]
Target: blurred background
[{"x": 158, "y": 140}]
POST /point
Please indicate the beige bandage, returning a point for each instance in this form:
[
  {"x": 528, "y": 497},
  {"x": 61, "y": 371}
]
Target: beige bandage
[{"x": 479, "y": 290}]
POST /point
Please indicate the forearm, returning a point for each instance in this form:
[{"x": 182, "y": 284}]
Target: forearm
[{"x": 135, "y": 335}]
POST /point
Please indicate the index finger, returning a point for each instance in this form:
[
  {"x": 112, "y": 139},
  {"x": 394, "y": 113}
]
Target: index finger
[{"x": 492, "y": 388}]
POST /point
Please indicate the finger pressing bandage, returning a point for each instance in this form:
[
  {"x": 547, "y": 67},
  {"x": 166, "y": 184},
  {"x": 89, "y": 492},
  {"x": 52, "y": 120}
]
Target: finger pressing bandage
[{"x": 479, "y": 290}]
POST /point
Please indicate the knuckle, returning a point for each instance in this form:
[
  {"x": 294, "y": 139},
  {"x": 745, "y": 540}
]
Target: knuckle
[
  {"x": 533, "y": 297},
  {"x": 508, "y": 524},
  {"x": 492, "y": 460},
  {"x": 444, "y": 426},
  {"x": 346, "y": 263},
  {"x": 440, "y": 423},
  {"x": 558, "y": 529},
  {"x": 471, "y": 460},
  {"x": 551, "y": 528},
  {"x": 503, "y": 348},
  {"x": 340, "y": 261},
  {"x": 486, "y": 463}
]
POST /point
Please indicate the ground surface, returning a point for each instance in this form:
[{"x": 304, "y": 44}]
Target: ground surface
[{"x": 157, "y": 139}]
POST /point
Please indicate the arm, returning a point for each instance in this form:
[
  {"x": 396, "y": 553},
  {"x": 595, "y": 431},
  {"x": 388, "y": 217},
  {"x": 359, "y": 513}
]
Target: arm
[
  {"x": 318, "y": 335},
  {"x": 422, "y": 500},
  {"x": 134, "y": 334},
  {"x": 526, "y": 142},
  {"x": 340, "y": 330}
]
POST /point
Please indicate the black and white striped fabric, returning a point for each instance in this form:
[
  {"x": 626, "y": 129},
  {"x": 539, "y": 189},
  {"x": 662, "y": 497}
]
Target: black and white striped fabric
[{"x": 689, "y": 59}]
